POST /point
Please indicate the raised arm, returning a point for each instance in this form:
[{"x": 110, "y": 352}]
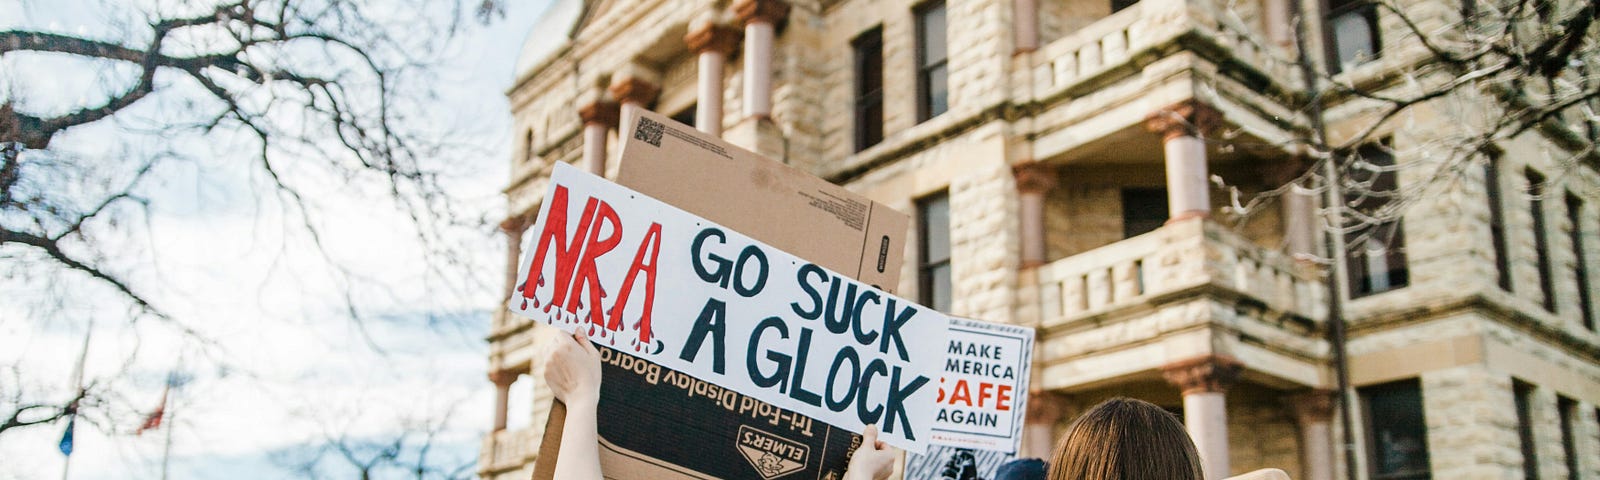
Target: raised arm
[{"x": 573, "y": 372}]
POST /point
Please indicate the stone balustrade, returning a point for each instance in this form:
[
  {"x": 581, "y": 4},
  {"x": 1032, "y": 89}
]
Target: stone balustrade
[
  {"x": 509, "y": 449},
  {"x": 1184, "y": 258},
  {"x": 1114, "y": 40}
]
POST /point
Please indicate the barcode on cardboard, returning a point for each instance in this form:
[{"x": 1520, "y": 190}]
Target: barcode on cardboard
[{"x": 649, "y": 131}]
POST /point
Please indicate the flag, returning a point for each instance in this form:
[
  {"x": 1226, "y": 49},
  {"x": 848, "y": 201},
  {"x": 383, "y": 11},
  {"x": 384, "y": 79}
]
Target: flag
[
  {"x": 153, "y": 421},
  {"x": 66, "y": 436}
]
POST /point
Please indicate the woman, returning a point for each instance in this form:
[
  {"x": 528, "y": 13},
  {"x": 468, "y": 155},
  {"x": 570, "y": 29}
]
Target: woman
[
  {"x": 573, "y": 373},
  {"x": 1126, "y": 439}
]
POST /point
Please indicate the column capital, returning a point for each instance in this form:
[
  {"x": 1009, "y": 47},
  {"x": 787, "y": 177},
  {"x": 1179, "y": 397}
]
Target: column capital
[
  {"x": 1314, "y": 406},
  {"x": 1186, "y": 118},
  {"x": 712, "y": 37},
  {"x": 502, "y": 378},
  {"x": 600, "y": 112},
  {"x": 770, "y": 11},
  {"x": 1207, "y": 374},
  {"x": 1044, "y": 407},
  {"x": 635, "y": 90},
  {"x": 1034, "y": 176}
]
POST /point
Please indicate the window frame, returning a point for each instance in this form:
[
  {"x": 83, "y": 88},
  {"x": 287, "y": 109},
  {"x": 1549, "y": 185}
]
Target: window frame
[
  {"x": 1367, "y": 394},
  {"x": 1360, "y": 278},
  {"x": 927, "y": 266},
  {"x": 927, "y": 68},
  {"x": 1334, "y": 9},
  {"x": 1537, "y": 184},
  {"x": 1497, "y": 220},
  {"x": 1580, "y": 258},
  {"x": 868, "y": 42}
]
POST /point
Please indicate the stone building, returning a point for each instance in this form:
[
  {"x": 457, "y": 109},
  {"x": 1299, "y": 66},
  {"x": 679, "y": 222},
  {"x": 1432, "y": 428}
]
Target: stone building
[{"x": 1056, "y": 157}]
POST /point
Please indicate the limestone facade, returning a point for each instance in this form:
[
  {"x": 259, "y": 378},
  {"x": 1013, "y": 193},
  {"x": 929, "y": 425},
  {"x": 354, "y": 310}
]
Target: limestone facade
[{"x": 1078, "y": 153}]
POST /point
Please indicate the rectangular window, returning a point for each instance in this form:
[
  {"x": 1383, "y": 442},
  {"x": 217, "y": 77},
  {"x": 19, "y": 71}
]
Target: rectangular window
[
  {"x": 1397, "y": 434},
  {"x": 1568, "y": 409},
  {"x": 527, "y": 146},
  {"x": 1580, "y": 262},
  {"x": 933, "y": 252},
  {"x": 1375, "y": 253},
  {"x": 1523, "y": 393},
  {"x": 1143, "y": 210},
  {"x": 869, "y": 88},
  {"x": 1350, "y": 33},
  {"x": 933, "y": 83},
  {"x": 1497, "y": 222},
  {"x": 1541, "y": 239}
]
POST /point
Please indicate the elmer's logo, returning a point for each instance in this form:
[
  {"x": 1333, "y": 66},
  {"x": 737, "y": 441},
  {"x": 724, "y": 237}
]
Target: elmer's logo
[{"x": 771, "y": 455}]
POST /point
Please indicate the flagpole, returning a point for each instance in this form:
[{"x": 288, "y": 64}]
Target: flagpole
[
  {"x": 77, "y": 394},
  {"x": 166, "y": 453}
]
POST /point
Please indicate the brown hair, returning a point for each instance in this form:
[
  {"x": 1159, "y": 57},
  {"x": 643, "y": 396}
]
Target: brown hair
[{"x": 1126, "y": 439}]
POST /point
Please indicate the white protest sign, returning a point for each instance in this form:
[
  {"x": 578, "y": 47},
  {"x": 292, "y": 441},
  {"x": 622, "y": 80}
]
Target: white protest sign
[
  {"x": 662, "y": 284},
  {"x": 984, "y": 388}
]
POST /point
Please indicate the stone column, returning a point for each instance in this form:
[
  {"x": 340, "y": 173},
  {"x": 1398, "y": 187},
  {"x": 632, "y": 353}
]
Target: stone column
[
  {"x": 1039, "y": 424},
  {"x": 513, "y": 227},
  {"x": 1313, "y": 412},
  {"x": 1026, "y": 24},
  {"x": 760, "y": 19},
  {"x": 1299, "y": 209},
  {"x": 1275, "y": 17},
  {"x": 1034, "y": 181},
  {"x": 634, "y": 87},
  {"x": 502, "y": 395},
  {"x": 712, "y": 42},
  {"x": 1182, "y": 127},
  {"x": 1204, "y": 381},
  {"x": 598, "y": 118}
]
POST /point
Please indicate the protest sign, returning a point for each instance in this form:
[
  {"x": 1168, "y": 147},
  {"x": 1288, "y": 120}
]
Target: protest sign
[
  {"x": 984, "y": 388},
  {"x": 943, "y": 462},
  {"x": 658, "y": 283}
]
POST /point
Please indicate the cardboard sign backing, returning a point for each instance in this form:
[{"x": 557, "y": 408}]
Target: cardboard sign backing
[{"x": 690, "y": 436}]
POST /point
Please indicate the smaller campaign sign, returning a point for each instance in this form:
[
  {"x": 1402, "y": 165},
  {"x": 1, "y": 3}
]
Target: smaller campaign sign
[
  {"x": 953, "y": 463},
  {"x": 984, "y": 389}
]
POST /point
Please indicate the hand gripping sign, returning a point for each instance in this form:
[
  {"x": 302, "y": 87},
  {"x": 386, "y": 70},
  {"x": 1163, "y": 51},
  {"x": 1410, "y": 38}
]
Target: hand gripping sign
[{"x": 659, "y": 283}]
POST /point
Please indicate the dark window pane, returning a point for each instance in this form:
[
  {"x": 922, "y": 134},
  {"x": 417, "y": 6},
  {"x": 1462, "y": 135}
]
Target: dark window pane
[
  {"x": 1351, "y": 33},
  {"x": 1396, "y": 431},
  {"x": 938, "y": 91},
  {"x": 686, "y": 116},
  {"x": 941, "y": 295},
  {"x": 1580, "y": 262},
  {"x": 1143, "y": 210},
  {"x": 936, "y": 228},
  {"x": 1541, "y": 238},
  {"x": 1119, "y": 5},
  {"x": 1497, "y": 223},
  {"x": 1568, "y": 412},
  {"x": 932, "y": 82},
  {"x": 1374, "y": 252},
  {"x": 869, "y": 88},
  {"x": 934, "y": 284},
  {"x": 931, "y": 25},
  {"x": 1523, "y": 394}
]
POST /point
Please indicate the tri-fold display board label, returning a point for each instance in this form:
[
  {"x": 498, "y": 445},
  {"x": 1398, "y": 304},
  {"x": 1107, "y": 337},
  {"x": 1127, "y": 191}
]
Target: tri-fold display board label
[{"x": 653, "y": 281}]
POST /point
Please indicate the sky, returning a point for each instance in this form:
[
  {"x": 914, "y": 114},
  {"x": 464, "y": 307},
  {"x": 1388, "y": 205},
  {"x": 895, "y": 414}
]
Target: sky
[{"x": 286, "y": 368}]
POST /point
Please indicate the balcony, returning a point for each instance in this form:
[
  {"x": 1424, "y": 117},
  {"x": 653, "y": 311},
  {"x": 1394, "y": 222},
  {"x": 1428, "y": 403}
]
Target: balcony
[
  {"x": 508, "y": 450},
  {"x": 1184, "y": 259},
  {"x": 1229, "y": 37}
]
